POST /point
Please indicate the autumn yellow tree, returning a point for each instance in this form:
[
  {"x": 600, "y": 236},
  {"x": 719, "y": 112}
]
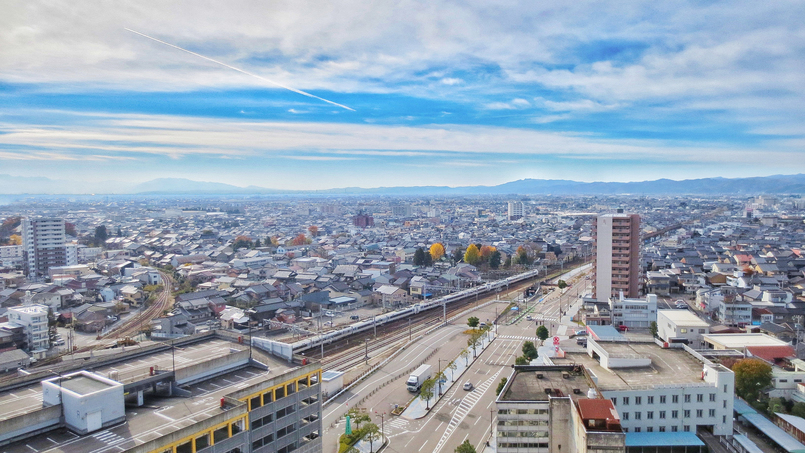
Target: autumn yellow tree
[
  {"x": 472, "y": 255},
  {"x": 436, "y": 251},
  {"x": 15, "y": 239}
]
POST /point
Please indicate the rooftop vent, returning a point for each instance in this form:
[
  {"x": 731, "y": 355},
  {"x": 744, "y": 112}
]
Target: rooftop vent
[
  {"x": 576, "y": 391},
  {"x": 539, "y": 376},
  {"x": 548, "y": 391},
  {"x": 565, "y": 375}
]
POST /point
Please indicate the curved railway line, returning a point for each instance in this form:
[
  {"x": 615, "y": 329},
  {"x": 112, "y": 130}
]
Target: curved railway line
[{"x": 133, "y": 325}]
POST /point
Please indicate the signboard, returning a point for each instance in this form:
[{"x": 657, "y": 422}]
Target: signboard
[{"x": 556, "y": 340}]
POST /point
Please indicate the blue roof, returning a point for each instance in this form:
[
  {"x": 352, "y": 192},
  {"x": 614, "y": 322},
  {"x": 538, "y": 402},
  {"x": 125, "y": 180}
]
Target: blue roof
[
  {"x": 607, "y": 332},
  {"x": 742, "y": 407},
  {"x": 683, "y": 439},
  {"x": 747, "y": 444},
  {"x": 775, "y": 433}
]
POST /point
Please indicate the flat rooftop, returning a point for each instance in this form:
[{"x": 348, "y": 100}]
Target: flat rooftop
[
  {"x": 158, "y": 417},
  {"x": 527, "y": 385},
  {"x": 668, "y": 366},
  {"x": 683, "y": 317},
  {"x": 28, "y": 399},
  {"x": 81, "y": 384},
  {"x": 740, "y": 341}
]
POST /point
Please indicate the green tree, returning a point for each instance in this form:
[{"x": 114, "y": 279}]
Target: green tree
[
  {"x": 357, "y": 417},
  {"x": 542, "y": 333},
  {"x": 452, "y": 367},
  {"x": 653, "y": 328},
  {"x": 522, "y": 360},
  {"x": 257, "y": 243},
  {"x": 100, "y": 234},
  {"x": 465, "y": 447},
  {"x": 474, "y": 342},
  {"x": 242, "y": 242},
  {"x": 494, "y": 260},
  {"x": 457, "y": 255},
  {"x": 501, "y": 385},
  {"x": 751, "y": 376},
  {"x": 439, "y": 378},
  {"x": 776, "y": 405},
  {"x": 561, "y": 284},
  {"x": 529, "y": 350},
  {"x": 466, "y": 355},
  {"x": 419, "y": 257},
  {"x": 798, "y": 410},
  {"x": 426, "y": 392},
  {"x": 473, "y": 321},
  {"x": 522, "y": 256},
  {"x": 372, "y": 433},
  {"x": 472, "y": 255}
]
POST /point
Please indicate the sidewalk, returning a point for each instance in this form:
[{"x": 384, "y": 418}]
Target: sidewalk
[
  {"x": 364, "y": 447},
  {"x": 417, "y": 408}
]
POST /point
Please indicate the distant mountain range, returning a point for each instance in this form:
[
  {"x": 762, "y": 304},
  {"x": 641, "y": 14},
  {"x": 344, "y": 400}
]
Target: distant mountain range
[{"x": 778, "y": 184}]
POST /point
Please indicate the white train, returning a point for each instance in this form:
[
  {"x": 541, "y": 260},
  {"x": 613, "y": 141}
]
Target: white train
[{"x": 360, "y": 326}]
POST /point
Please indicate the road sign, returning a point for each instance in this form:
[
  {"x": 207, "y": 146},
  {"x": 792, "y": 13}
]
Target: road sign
[{"x": 556, "y": 340}]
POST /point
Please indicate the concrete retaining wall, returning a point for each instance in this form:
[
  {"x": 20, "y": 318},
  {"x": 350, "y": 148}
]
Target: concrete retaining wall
[
  {"x": 208, "y": 368},
  {"x": 29, "y": 424}
]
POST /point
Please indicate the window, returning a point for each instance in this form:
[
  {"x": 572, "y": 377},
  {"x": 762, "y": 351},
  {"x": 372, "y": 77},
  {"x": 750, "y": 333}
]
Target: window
[
  {"x": 279, "y": 393},
  {"x": 674, "y": 414},
  {"x": 712, "y": 397},
  {"x": 662, "y": 414},
  {"x": 638, "y": 400},
  {"x": 674, "y": 429},
  {"x": 625, "y": 400},
  {"x": 254, "y": 403},
  {"x": 699, "y": 398},
  {"x": 614, "y": 401},
  {"x": 650, "y": 429},
  {"x": 686, "y": 428},
  {"x": 723, "y": 419},
  {"x": 186, "y": 447},
  {"x": 683, "y": 330},
  {"x": 650, "y": 415},
  {"x": 711, "y": 413},
  {"x": 637, "y": 429},
  {"x": 699, "y": 413},
  {"x": 650, "y": 400},
  {"x": 725, "y": 388},
  {"x": 268, "y": 397},
  {"x": 662, "y": 429},
  {"x": 626, "y": 416},
  {"x": 675, "y": 399},
  {"x": 686, "y": 413},
  {"x": 637, "y": 415},
  {"x": 662, "y": 399},
  {"x": 687, "y": 398},
  {"x": 202, "y": 442},
  {"x": 220, "y": 434},
  {"x": 701, "y": 330},
  {"x": 724, "y": 404},
  {"x": 291, "y": 388}
]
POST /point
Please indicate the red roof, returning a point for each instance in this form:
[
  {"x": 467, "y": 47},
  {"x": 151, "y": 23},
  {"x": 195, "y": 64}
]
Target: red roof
[
  {"x": 771, "y": 353},
  {"x": 597, "y": 409}
]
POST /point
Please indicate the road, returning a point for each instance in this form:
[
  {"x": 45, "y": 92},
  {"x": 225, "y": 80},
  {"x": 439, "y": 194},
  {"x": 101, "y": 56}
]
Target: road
[{"x": 460, "y": 415}]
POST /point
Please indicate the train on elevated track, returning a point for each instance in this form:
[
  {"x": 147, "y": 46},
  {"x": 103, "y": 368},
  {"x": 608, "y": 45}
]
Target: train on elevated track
[{"x": 344, "y": 332}]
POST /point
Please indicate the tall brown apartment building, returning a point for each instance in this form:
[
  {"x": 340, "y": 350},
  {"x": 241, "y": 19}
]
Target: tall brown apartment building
[{"x": 617, "y": 255}]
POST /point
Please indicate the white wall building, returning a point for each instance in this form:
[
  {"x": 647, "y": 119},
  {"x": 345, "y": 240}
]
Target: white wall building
[
  {"x": 515, "y": 210},
  {"x": 43, "y": 242},
  {"x": 34, "y": 319},
  {"x": 681, "y": 326},
  {"x": 11, "y": 255},
  {"x": 634, "y": 313}
]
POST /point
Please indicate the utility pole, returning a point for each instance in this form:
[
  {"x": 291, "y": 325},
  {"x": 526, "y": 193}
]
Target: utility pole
[
  {"x": 374, "y": 321},
  {"x": 366, "y": 343},
  {"x": 409, "y": 328}
]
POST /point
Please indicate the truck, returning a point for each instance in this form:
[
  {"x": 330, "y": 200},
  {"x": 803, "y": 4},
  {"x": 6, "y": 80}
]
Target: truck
[{"x": 416, "y": 378}]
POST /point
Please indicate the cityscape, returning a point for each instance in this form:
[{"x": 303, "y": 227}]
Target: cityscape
[
  {"x": 402, "y": 227},
  {"x": 371, "y": 323}
]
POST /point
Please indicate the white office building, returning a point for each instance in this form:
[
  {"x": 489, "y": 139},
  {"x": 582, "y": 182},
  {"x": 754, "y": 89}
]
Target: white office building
[
  {"x": 43, "y": 242},
  {"x": 11, "y": 255},
  {"x": 681, "y": 326},
  {"x": 515, "y": 210},
  {"x": 34, "y": 320},
  {"x": 633, "y": 313}
]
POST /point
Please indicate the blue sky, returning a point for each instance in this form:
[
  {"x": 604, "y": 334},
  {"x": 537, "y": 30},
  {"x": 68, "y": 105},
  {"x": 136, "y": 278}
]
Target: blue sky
[{"x": 443, "y": 92}]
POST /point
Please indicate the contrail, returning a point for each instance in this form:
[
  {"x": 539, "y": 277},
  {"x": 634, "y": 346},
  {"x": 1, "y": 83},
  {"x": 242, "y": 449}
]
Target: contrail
[{"x": 242, "y": 71}]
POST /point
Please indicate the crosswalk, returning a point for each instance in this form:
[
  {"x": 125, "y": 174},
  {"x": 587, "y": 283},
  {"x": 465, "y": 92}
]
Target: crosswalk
[
  {"x": 517, "y": 337},
  {"x": 400, "y": 424},
  {"x": 108, "y": 437},
  {"x": 464, "y": 408}
]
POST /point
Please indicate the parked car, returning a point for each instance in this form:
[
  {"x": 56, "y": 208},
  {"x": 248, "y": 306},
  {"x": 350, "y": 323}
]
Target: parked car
[
  {"x": 329, "y": 313},
  {"x": 623, "y": 328},
  {"x": 581, "y": 342},
  {"x": 529, "y": 318},
  {"x": 354, "y": 317},
  {"x": 468, "y": 386},
  {"x": 581, "y": 333}
]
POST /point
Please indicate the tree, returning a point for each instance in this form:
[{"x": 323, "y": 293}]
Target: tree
[
  {"x": 501, "y": 385},
  {"x": 561, "y": 284},
  {"x": 100, "y": 234},
  {"x": 472, "y": 255},
  {"x": 419, "y": 257},
  {"x": 653, "y": 328},
  {"x": 529, "y": 350},
  {"x": 473, "y": 321},
  {"x": 487, "y": 251},
  {"x": 457, "y": 255},
  {"x": 119, "y": 232},
  {"x": 474, "y": 342},
  {"x": 428, "y": 260},
  {"x": 436, "y": 251},
  {"x": 257, "y": 243},
  {"x": 465, "y": 447},
  {"x": 439, "y": 378},
  {"x": 15, "y": 239},
  {"x": 314, "y": 230},
  {"x": 466, "y": 355},
  {"x": 494, "y": 260},
  {"x": 242, "y": 242},
  {"x": 776, "y": 405},
  {"x": 69, "y": 229},
  {"x": 751, "y": 376},
  {"x": 300, "y": 239},
  {"x": 372, "y": 434},
  {"x": 522, "y": 360},
  {"x": 357, "y": 417},
  {"x": 426, "y": 392},
  {"x": 452, "y": 367},
  {"x": 798, "y": 410},
  {"x": 522, "y": 256},
  {"x": 542, "y": 333}
]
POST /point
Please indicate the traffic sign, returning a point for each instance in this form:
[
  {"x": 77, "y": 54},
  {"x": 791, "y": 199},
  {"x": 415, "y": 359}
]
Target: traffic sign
[{"x": 556, "y": 340}]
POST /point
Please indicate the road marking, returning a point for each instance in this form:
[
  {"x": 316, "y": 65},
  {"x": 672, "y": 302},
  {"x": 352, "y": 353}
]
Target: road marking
[{"x": 464, "y": 409}]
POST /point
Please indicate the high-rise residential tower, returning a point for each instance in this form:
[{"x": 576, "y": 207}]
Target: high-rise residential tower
[
  {"x": 43, "y": 245},
  {"x": 617, "y": 255},
  {"x": 515, "y": 210}
]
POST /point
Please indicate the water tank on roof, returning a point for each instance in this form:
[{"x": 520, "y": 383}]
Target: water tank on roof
[{"x": 591, "y": 393}]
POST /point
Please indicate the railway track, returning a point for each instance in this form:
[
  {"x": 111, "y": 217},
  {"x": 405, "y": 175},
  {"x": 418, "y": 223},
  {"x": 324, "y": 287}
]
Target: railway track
[{"x": 133, "y": 325}]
